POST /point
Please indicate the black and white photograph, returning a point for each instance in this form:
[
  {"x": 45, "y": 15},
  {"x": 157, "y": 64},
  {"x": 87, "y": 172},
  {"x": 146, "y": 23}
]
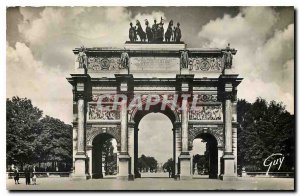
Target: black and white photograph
[{"x": 144, "y": 98}]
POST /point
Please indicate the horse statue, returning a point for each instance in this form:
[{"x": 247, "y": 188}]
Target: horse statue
[
  {"x": 169, "y": 32},
  {"x": 148, "y": 31},
  {"x": 140, "y": 32},
  {"x": 132, "y": 33}
]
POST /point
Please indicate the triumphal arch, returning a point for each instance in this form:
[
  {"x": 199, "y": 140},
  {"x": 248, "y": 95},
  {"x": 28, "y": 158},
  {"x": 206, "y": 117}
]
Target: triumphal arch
[{"x": 114, "y": 88}]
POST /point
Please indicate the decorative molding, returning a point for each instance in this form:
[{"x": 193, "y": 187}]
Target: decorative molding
[
  {"x": 105, "y": 64},
  {"x": 154, "y": 88},
  {"x": 92, "y": 132},
  {"x": 105, "y": 98},
  {"x": 217, "y": 132},
  {"x": 206, "y": 64},
  {"x": 95, "y": 114},
  {"x": 207, "y": 112},
  {"x": 207, "y": 98}
]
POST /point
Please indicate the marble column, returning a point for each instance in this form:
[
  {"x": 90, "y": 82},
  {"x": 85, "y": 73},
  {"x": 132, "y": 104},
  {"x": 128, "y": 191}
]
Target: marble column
[
  {"x": 185, "y": 158},
  {"x": 80, "y": 157},
  {"x": 131, "y": 147},
  {"x": 80, "y": 140},
  {"x": 124, "y": 131},
  {"x": 124, "y": 158},
  {"x": 228, "y": 157},
  {"x": 220, "y": 154}
]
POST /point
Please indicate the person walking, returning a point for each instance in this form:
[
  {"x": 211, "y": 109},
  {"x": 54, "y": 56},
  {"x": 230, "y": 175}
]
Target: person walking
[
  {"x": 16, "y": 176},
  {"x": 27, "y": 176},
  {"x": 34, "y": 179}
]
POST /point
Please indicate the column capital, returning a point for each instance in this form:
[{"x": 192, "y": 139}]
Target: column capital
[
  {"x": 125, "y": 83},
  {"x": 184, "y": 83},
  {"x": 81, "y": 86}
]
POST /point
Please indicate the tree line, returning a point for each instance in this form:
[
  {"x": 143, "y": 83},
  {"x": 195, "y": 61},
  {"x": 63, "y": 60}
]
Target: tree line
[
  {"x": 32, "y": 139},
  {"x": 264, "y": 129}
]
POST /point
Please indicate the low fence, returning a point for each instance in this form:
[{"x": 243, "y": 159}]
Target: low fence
[
  {"x": 270, "y": 174},
  {"x": 40, "y": 174}
]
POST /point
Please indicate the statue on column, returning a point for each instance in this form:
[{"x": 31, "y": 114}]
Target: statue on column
[
  {"x": 132, "y": 33},
  {"x": 124, "y": 60},
  {"x": 82, "y": 58},
  {"x": 160, "y": 31},
  {"x": 154, "y": 31},
  {"x": 184, "y": 59},
  {"x": 227, "y": 56},
  {"x": 177, "y": 33},
  {"x": 148, "y": 31},
  {"x": 169, "y": 32}
]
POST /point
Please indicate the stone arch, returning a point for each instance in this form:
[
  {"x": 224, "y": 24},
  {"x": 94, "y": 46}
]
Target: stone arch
[
  {"x": 174, "y": 113},
  {"x": 114, "y": 131},
  {"x": 216, "y": 132}
]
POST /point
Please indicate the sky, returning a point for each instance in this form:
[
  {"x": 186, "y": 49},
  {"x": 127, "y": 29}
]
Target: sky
[{"x": 40, "y": 41}]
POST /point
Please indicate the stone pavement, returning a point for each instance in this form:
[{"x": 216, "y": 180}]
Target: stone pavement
[{"x": 155, "y": 184}]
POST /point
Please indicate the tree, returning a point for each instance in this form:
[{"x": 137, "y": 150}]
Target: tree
[
  {"x": 32, "y": 139},
  {"x": 21, "y": 124},
  {"x": 169, "y": 165},
  {"x": 147, "y": 163},
  {"x": 264, "y": 128},
  {"x": 201, "y": 161},
  {"x": 54, "y": 142}
]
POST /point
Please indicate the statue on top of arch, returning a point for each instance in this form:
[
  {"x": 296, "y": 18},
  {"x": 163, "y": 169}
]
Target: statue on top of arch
[{"x": 154, "y": 33}]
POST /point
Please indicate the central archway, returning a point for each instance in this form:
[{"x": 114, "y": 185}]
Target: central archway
[
  {"x": 138, "y": 115},
  {"x": 156, "y": 144}
]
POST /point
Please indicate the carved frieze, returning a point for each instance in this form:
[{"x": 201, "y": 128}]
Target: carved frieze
[
  {"x": 207, "y": 64},
  {"x": 92, "y": 132},
  {"x": 106, "y": 64},
  {"x": 104, "y": 98},
  {"x": 217, "y": 132},
  {"x": 206, "y": 112},
  {"x": 206, "y": 98},
  {"x": 95, "y": 113}
]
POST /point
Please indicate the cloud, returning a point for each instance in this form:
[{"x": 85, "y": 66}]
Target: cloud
[
  {"x": 46, "y": 87},
  {"x": 265, "y": 53},
  {"x": 38, "y": 69}
]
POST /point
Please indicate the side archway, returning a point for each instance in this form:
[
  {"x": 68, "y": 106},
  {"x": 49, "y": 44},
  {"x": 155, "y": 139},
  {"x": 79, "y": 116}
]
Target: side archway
[
  {"x": 101, "y": 154},
  {"x": 214, "y": 141}
]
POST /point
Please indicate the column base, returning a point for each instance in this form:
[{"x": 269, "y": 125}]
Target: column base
[
  {"x": 228, "y": 164},
  {"x": 80, "y": 167},
  {"x": 124, "y": 168},
  {"x": 185, "y": 166}
]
